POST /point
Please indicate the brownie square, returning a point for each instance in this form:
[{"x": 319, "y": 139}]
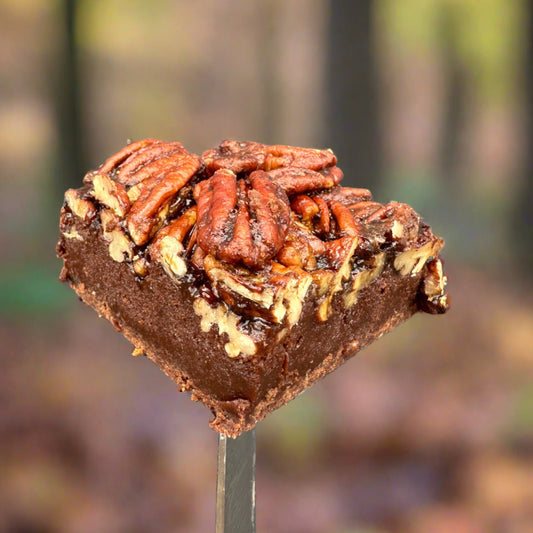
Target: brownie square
[{"x": 247, "y": 273}]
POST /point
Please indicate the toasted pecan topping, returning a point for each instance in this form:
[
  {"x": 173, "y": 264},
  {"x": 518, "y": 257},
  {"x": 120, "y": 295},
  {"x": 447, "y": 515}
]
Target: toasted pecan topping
[
  {"x": 142, "y": 218},
  {"x": 241, "y": 221},
  {"x": 243, "y": 211},
  {"x": 152, "y": 161},
  {"x": 305, "y": 206},
  {"x": 115, "y": 160},
  {"x": 294, "y": 180},
  {"x": 345, "y": 220},
  {"x": 110, "y": 193},
  {"x": 249, "y": 156},
  {"x": 348, "y": 195}
]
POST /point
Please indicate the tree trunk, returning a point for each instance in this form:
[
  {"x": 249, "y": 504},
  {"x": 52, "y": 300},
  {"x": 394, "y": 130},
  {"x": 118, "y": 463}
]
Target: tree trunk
[
  {"x": 352, "y": 121},
  {"x": 68, "y": 105},
  {"x": 522, "y": 230}
]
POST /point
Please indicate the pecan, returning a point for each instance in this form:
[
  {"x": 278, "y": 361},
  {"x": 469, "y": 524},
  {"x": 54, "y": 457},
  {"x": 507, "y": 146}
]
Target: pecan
[
  {"x": 148, "y": 211},
  {"x": 432, "y": 297},
  {"x": 361, "y": 210},
  {"x": 371, "y": 271},
  {"x": 345, "y": 220},
  {"x": 236, "y": 156},
  {"x": 294, "y": 180},
  {"x": 140, "y": 266},
  {"x": 249, "y": 156},
  {"x": 197, "y": 258},
  {"x": 110, "y": 193},
  {"x": 228, "y": 323},
  {"x": 120, "y": 246},
  {"x": 308, "y": 208},
  {"x": 339, "y": 254},
  {"x": 398, "y": 222},
  {"x": 152, "y": 161},
  {"x": 141, "y": 181},
  {"x": 180, "y": 227},
  {"x": 304, "y": 206},
  {"x": 347, "y": 195},
  {"x": 285, "y": 156},
  {"x": 338, "y": 250},
  {"x": 167, "y": 246},
  {"x": 275, "y": 293},
  {"x": 324, "y": 225},
  {"x": 241, "y": 221},
  {"x": 345, "y": 223},
  {"x": 115, "y": 160},
  {"x": 301, "y": 248},
  {"x": 412, "y": 261},
  {"x": 78, "y": 205},
  {"x": 146, "y": 175}
]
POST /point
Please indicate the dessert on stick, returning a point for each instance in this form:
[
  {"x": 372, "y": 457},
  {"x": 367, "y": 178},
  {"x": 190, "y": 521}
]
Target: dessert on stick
[{"x": 245, "y": 273}]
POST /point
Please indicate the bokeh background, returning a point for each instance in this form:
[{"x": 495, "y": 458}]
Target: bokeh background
[{"x": 424, "y": 101}]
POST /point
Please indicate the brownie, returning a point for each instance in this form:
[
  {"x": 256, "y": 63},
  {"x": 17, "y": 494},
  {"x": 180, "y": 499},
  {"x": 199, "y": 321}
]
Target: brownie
[{"x": 246, "y": 273}]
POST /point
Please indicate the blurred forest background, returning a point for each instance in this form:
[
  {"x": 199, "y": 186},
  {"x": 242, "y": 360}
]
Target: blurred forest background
[{"x": 428, "y": 102}]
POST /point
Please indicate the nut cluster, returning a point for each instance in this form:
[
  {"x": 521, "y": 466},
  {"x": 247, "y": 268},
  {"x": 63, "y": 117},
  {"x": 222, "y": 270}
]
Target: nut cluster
[
  {"x": 141, "y": 182},
  {"x": 263, "y": 223}
]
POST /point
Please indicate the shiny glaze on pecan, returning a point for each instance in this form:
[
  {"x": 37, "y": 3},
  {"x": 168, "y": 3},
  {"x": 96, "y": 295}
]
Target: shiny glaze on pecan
[
  {"x": 249, "y": 156},
  {"x": 294, "y": 180},
  {"x": 142, "y": 218},
  {"x": 141, "y": 181},
  {"x": 241, "y": 220}
]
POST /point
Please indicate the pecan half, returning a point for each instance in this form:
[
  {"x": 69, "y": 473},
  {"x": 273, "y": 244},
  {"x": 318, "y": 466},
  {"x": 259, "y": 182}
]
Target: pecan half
[
  {"x": 347, "y": 195},
  {"x": 147, "y": 212},
  {"x": 79, "y": 205},
  {"x": 317, "y": 213},
  {"x": 236, "y": 156},
  {"x": 241, "y": 221},
  {"x": 141, "y": 181},
  {"x": 324, "y": 223},
  {"x": 152, "y": 161},
  {"x": 284, "y": 156},
  {"x": 304, "y": 206},
  {"x": 339, "y": 254},
  {"x": 398, "y": 222},
  {"x": 167, "y": 246},
  {"x": 432, "y": 297},
  {"x": 249, "y": 156},
  {"x": 301, "y": 247},
  {"x": 295, "y": 180},
  {"x": 361, "y": 210},
  {"x": 275, "y": 293},
  {"x": 345, "y": 220},
  {"x": 115, "y": 160},
  {"x": 110, "y": 193}
]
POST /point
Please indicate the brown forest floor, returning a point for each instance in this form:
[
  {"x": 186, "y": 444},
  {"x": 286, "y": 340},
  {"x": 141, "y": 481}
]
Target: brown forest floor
[{"x": 430, "y": 429}]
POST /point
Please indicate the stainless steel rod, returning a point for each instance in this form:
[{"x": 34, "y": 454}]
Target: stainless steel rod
[{"x": 235, "y": 505}]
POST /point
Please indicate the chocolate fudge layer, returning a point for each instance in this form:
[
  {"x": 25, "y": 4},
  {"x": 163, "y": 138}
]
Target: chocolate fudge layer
[{"x": 246, "y": 273}]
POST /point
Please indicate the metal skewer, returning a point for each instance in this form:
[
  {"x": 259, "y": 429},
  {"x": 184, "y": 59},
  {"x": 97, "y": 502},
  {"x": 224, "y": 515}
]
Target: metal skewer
[{"x": 235, "y": 506}]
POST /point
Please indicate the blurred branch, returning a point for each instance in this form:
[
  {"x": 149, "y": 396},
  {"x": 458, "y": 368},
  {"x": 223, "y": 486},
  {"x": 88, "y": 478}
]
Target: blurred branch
[
  {"x": 269, "y": 76},
  {"x": 69, "y": 103},
  {"x": 453, "y": 120},
  {"x": 352, "y": 118},
  {"x": 523, "y": 221}
]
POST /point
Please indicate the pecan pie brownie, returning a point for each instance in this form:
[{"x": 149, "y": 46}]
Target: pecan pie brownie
[{"x": 246, "y": 273}]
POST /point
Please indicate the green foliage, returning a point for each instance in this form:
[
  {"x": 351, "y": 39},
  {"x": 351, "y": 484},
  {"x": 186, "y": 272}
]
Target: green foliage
[
  {"x": 486, "y": 37},
  {"x": 521, "y": 421},
  {"x": 31, "y": 289}
]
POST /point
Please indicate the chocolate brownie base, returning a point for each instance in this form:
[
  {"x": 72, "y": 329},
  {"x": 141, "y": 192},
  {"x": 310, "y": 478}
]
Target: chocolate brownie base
[{"x": 158, "y": 317}]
